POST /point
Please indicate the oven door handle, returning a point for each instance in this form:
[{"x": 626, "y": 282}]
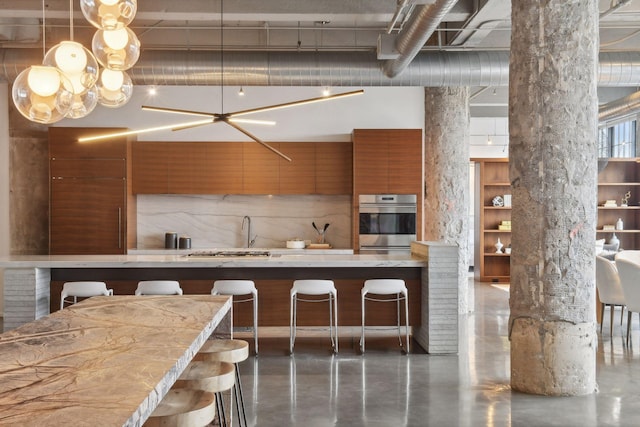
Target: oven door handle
[{"x": 388, "y": 209}]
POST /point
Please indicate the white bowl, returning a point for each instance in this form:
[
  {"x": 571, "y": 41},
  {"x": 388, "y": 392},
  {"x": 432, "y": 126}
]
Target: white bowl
[{"x": 295, "y": 244}]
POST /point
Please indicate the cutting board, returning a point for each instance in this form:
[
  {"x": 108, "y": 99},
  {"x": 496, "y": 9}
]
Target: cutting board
[{"x": 319, "y": 246}]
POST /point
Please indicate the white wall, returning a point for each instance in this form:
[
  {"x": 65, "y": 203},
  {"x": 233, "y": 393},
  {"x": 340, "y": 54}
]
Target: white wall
[
  {"x": 334, "y": 120},
  {"x": 489, "y": 137}
]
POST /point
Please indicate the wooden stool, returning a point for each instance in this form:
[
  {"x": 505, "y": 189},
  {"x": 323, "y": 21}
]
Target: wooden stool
[
  {"x": 184, "y": 407},
  {"x": 214, "y": 377},
  {"x": 230, "y": 351}
]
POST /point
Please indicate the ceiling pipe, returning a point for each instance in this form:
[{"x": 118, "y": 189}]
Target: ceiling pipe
[
  {"x": 399, "y": 8},
  {"x": 615, "y": 7},
  {"x": 422, "y": 24},
  {"x": 429, "y": 69},
  {"x": 619, "y": 108}
]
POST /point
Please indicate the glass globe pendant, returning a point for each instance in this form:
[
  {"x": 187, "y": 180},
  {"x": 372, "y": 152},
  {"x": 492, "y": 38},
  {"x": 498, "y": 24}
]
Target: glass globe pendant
[
  {"x": 116, "y": 49},
  {"x": 109, "y": 14},
  {"x": 76, "y": 62},
  {"x": 83, "y": 104},
  {"x": 41, "y": 94},
  {"x": 114, "y": 88}
]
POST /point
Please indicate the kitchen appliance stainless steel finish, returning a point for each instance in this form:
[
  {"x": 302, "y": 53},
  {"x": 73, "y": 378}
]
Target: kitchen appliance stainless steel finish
[{"x": 387, "y": 222}]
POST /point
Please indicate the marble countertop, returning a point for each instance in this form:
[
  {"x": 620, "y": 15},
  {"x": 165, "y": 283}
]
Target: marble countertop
[
  {"x": 278, "y": 251},
  {"x": 182, "y": 261},
  {"x": 104, "y": 361}
]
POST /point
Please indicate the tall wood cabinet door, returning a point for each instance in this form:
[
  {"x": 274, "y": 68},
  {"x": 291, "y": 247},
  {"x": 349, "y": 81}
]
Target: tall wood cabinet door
[
  {"x": 370, "y": 161},
  {"x": 225, "y": 170},
  {"x": 63, "y": 143},
  {"x": 261, "y": 169},
  {"x": 299, "y": 175},
  {"x": 150, "y": 167},
  {"x": 334, "y": 167},
  {"x": 405, "y": 161},
  {"x": 88, "y": 216}
]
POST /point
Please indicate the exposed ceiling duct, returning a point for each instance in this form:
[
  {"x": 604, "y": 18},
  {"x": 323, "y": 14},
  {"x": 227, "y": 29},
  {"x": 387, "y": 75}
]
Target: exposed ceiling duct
[
  {"x": 429, "y": 69},
  {"x": 422, "y": 24},
  {"x": 619, "y": 108}
]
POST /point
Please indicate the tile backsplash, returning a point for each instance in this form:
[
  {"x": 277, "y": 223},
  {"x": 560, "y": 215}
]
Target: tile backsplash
[{"x": 215, "y": 221}]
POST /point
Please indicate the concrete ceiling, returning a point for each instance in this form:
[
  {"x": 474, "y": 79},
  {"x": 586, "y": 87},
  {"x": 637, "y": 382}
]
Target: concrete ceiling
[{"x": 303, "y": 25}]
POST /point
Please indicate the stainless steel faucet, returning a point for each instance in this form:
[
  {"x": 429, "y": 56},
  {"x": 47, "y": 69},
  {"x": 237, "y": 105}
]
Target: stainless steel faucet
[{"x": 250, "y": 242}]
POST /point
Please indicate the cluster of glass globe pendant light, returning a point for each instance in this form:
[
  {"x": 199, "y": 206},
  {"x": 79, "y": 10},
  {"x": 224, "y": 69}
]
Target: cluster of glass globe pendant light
[{"x": 70, "y": 83}]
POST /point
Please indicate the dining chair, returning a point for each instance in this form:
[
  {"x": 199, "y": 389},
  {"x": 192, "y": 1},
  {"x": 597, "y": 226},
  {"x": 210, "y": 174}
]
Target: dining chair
[
  {"x": 609, "y": 290},
  {"x": 629, "y": 272}
]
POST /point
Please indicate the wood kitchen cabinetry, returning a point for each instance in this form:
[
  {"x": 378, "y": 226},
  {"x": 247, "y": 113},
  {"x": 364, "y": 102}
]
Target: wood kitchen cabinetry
[
  {"x": 92, "y": 210},
  {"x": 387, "y": 161},
  {"x": 241, "y": 168}
]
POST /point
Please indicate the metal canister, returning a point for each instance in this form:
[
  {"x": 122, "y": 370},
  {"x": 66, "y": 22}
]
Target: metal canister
[
  {"x": 171, "y": 240},
  {"x": 184, "y": 242}
]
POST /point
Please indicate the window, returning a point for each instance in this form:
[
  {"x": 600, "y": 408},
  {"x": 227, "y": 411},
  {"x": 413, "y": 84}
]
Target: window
[{"x": 618, "y": 140}]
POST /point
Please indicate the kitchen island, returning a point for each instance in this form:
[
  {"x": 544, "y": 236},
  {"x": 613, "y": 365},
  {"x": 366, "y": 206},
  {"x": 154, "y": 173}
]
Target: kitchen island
[{"x": 430, "y": 271}]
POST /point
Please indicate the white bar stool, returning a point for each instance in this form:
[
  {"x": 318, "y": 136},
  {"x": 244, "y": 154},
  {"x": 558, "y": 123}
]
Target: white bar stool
[
  {"x": 184, "y": 407},
  {"x": 158, "y": 287},
  {"x": 214, "y": 377},
  {"x": 314, "y": 287},
  {"x": 230, "y": 351},
  {"x": 82, "y": 290},
  {"x": 386, "y": 287},
  {"x": 240, "y": 288}
]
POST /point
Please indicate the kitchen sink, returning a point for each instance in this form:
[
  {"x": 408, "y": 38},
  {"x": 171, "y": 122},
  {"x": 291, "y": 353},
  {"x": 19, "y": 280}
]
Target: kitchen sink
[{"x": 230, "y": 254}]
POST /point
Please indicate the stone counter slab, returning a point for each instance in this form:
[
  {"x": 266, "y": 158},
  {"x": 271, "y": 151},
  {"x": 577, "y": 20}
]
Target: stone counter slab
[{"x": 104, "y": 361}]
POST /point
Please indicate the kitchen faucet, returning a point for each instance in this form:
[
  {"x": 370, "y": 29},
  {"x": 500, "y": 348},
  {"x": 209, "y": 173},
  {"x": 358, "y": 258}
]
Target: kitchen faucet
[{"x": 250, "y": 242}]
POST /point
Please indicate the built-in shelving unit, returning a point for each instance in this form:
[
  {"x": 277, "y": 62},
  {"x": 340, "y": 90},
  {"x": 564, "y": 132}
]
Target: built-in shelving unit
[
  {"x": 619, "y": 177},
  {"x": 492, "y": 180}
]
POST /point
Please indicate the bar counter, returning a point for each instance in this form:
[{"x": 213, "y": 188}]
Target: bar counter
[{"x": 431, "y": 268}]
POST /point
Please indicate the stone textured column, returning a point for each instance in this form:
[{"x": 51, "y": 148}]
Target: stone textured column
[
  {"x": 553, "y": 172},
  {"x": 446, "y": 153}
]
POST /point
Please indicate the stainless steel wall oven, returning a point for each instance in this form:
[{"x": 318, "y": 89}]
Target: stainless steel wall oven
[{"x": 387, "y": 222}]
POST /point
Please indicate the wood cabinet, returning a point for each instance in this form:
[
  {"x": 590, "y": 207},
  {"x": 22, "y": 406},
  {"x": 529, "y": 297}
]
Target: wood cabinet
[
  {"x": 492, "y": 182},
  {"x": 92, "y": 210},
  {"x": 619, "y": 177},
  {"x": 241, "y": 168},
  {"x": 387, "y": 161}
]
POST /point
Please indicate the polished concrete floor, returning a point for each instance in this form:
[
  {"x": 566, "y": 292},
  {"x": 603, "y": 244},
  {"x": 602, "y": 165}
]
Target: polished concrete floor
[{"x": 383, "y": 387}]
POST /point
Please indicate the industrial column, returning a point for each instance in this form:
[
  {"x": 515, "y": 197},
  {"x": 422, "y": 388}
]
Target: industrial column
[
  {"x": 446, "y": 153},
  {"x": 553, "y": 171}
]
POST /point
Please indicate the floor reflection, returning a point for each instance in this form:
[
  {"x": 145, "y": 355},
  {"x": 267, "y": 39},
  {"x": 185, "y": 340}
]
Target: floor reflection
[{"x": 384, "y": 387}]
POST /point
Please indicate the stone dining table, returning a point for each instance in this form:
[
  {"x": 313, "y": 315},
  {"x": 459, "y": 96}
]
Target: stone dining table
[{"x": 106, "y": 361}]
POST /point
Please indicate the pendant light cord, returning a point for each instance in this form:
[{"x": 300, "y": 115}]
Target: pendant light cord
[
  {"x": 221, "y": 56},
  {"x": 44, "y": 32},
  {"x": 71, "y": 20}
]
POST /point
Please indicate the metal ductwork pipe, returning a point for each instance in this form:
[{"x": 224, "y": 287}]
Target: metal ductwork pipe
[
  {"x": 630, "y": 104},
  {"x": 422, "y": 24},
  {"x": 428, "y": 69}
]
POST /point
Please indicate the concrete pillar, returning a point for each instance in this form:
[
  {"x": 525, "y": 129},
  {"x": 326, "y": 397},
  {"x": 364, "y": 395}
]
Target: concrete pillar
[
  {"x": 553, "y": 172},
  {"x": 446, "y": 153}
]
